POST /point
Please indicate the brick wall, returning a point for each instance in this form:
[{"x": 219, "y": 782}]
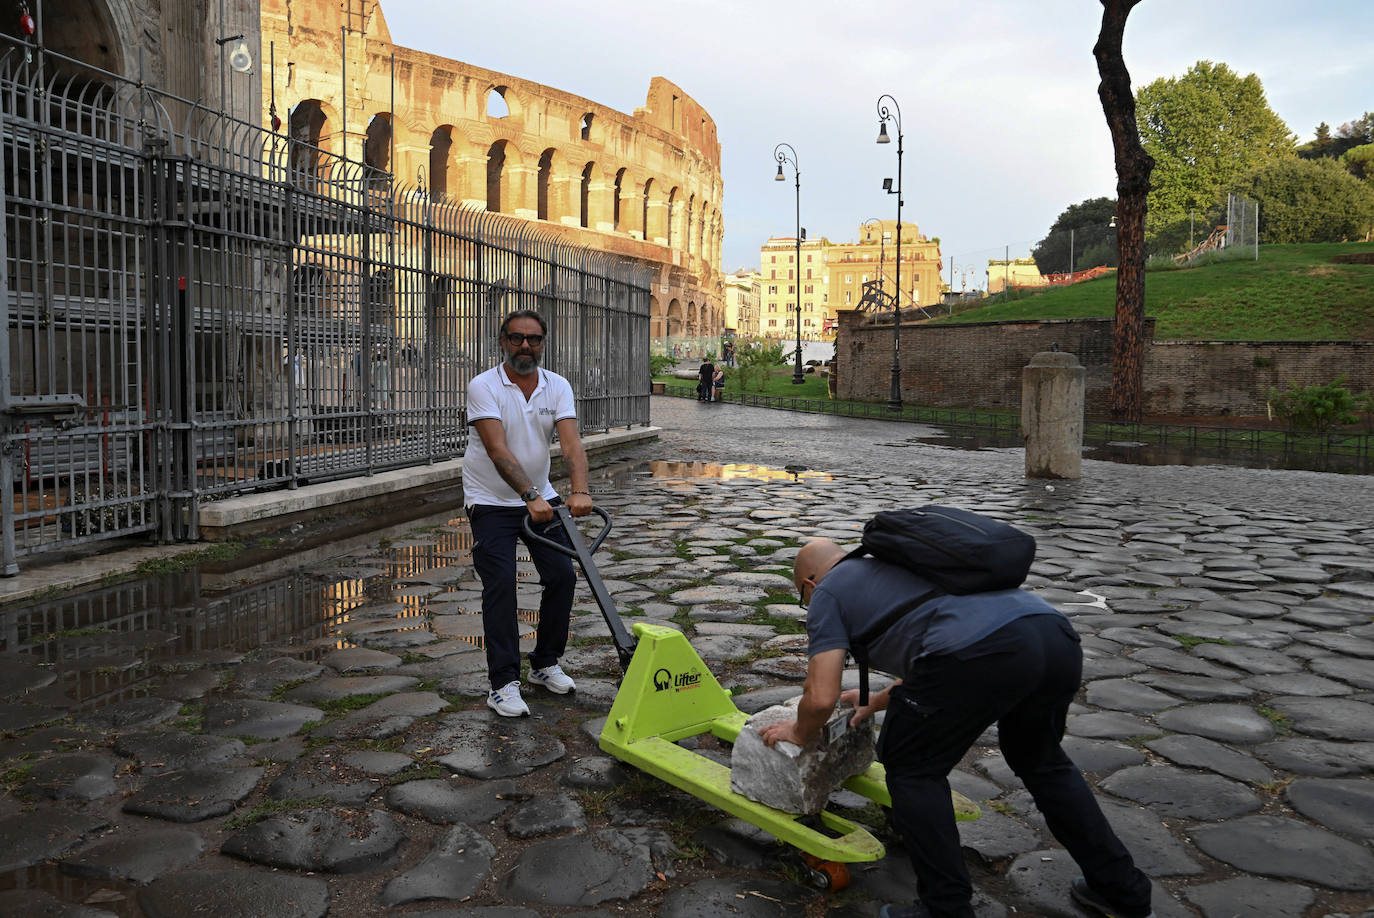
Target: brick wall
[{"x": 979, "y": 365}]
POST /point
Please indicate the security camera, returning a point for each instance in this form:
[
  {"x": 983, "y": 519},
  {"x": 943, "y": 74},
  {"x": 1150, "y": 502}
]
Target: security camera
[{"x": 240, "y": 59}]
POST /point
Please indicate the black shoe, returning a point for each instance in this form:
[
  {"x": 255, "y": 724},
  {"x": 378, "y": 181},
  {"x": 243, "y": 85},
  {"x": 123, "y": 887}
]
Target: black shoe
[
  {"x": 1084, "y": 895},
  {"x": 915, "y": 910}
]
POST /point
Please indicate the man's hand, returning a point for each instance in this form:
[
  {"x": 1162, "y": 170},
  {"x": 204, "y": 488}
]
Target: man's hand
[
  {"x": 877, "y": 701},
  {"x": 540, "y": 511},
  {"x": 579, "y": 504},
  {"x": 783, "y": 731}
]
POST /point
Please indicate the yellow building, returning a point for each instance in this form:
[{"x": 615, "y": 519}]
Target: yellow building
[
  {"x": 1018, "y": 272},
  {"x": 874, "y": 257},
  {"x": 742, "y": 303},
  {"x": 781, "y": 280}
]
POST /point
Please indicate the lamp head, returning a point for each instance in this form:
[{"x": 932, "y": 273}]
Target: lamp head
[
  {"x": 779, "y": 177},
  {"x": 240, "y": 60},
  {"x": 882, "y": 132},
  {"x": 887, "y": 185},
  {"x": 1113, "y": 223},
  {"x": 802, "y": 233}
]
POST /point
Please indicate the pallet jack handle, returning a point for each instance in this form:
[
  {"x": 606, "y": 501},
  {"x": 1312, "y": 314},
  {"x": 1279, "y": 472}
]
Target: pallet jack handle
[{"x": 582, "y": 553}]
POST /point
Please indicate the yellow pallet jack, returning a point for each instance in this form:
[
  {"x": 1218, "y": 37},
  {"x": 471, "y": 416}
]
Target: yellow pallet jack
[{"x": 669, "y": 694}]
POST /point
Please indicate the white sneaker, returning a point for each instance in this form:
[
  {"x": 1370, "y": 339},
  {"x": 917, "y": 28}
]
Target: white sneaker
[
  {"x": 507, "y": 702},
  {"x": 553, "y": 678}
]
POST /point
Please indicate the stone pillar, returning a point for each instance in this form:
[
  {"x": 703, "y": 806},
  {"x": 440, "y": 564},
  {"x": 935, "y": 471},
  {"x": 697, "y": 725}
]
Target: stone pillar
[{"x": 1052, "y": 415}]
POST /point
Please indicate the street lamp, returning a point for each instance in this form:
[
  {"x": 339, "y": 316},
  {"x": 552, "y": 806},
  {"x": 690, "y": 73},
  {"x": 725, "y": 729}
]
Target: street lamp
[
  {"x": 781, "y": 156},
  {"x": 894, "y": 402}
]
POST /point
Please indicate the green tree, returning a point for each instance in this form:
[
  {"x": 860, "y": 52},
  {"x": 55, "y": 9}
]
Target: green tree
[
  {"x": 1088, "y": 226},
  {"x": 1205, "y": 130},
  {"x": 1359, "y": 162},
  {"x": 754, "y": 358},
  {"x": 1309, "y": 200}
]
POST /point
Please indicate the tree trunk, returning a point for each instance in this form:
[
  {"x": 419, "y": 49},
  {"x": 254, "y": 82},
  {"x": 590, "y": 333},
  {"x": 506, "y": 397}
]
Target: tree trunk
[{"x": 1133, "y": 167}]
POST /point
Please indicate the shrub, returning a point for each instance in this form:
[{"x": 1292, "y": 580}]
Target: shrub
[
  {"x": 753, "y": 358},
  {"x": 1318, "y": 408},
  {"x": 660, "y": 364}
]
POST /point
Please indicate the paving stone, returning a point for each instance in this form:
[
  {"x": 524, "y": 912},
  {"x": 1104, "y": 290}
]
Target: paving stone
[
  {"x": 693, "y": 596},
  {"x": 1100, "y": 755},
  {"x": 1304, "y": 684},
  {"x": 1108, "y": 726},
  {"x": 1176, "y": 661},
  {"x": 994, "y": 837},
  {"x": 1199, "y": 688},
  {"x": 1318, "y": 758},
  {"x": 1345, "y": 805},
  {"x": 35, "y": 903},
  {"x": 74, "y": 776},
  {"x": 31, "y": 838},
  {"x": 764, "y": 898},
  {"x": 722, "y": 647},
  {"x": 1176, "y": 792},
  {"x": 546, "y": 814},
  {"x": 1197, "y": 752},
  {"x": 191, "y": 796},
  {"x": 1250, "y": 897},
  {"x": 439, "y": 801},
  {"x": 798, "y": 779},
  {"x": 739, "y": 844},
  {"x": 480, "y": 744},
  {"x": 1329, "y": 718},
  {"x": 328, "y": 841},
  {"x": 720, "y": 612},
  {"x": 596, "y": 773},
  {"x": 1273, "y": 846},
  {"x": 1109, "y": 667},
  {"x": 235, "y": 894},
  {"x": 324, "y": 775},
  {"x": 259, "y": 719},
  {"x": 130, "y": 715},
  {"x": 1251, "y": 659},
  {"x": 454, "y": 869},
  {"x": 159, "y": 753},
  {"x": 259, "y": 679},
  {"x": 139, "y": 857},
  {"x": 1355, "y": 672},
  {"x": 1129, "y": 696},
  {"x": 1228, "y": 723},
  {"x": 384, "y": 764},
  {"x": 1039, "y": 881},
  {"x": 1153, "y": 847},
  {"x": 334, "y": 688},
  {"x": 584, "y": 869}
]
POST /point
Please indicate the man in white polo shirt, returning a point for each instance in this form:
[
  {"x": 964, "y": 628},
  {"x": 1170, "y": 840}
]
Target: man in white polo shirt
[{"x": 515, "y": 408}]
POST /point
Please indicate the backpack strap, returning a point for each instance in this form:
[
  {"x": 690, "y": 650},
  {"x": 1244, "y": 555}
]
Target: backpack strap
[{"x": 858, "y": 646}]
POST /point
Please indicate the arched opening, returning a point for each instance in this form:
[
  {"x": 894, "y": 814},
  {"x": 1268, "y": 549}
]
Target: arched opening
[
  {"x": 672, "y": 214},
  {"x": 687, "y": 229},
  {"x": 377, "y": 151},
  {"x": 440, "y": 145},
  {"x": 545, "y": 170},
  {"x": 675, "y": 319},
  {"x": 497, "y": 107},
  {"x": 619, "y": 181},
  {"x": 644, "y": 221},
  {"x": 586, "y": 194},
  {"x": 496, "y": 165},
  {"x": 587, "y": 126},
  {"x": 305, "y": 128},
  {"x": 79, "y": 29}
]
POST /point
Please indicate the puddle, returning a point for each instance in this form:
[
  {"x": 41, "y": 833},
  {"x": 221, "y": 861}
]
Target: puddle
[{"x": 683, "y": 469}]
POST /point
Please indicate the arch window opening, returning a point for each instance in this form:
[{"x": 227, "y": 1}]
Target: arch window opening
[
  {"x": 377, "y": 151},
  {"x": 496, "y": 166},
  {"x": 497, "y": 107},
  {"x": 672, "y": 213},
  {"x": 305, "y": 128},
  {"x": 648, "y": 192},
  {"x": 587, "y": 126},
  {"x": 440, "y": 145},
  {"x": 619, "y": 181},
  {"x": 586, "y": 195},
  {"x": 545, "y": 170}
]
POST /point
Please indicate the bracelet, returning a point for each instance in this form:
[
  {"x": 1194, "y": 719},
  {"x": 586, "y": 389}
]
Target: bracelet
[{"x": 588, "y": 493}]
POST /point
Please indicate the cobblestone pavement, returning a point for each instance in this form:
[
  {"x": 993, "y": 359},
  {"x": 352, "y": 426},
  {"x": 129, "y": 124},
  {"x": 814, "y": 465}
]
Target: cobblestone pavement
[{"x": 315, "y": 741}]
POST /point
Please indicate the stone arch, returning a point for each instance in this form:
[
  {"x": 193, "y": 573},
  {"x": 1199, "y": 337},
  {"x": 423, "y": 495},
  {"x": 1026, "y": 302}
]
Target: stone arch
[
  {"x": 306, "y": 132},
  {"x": 687, "y": 225},
  {"x": 498, "y": 176},
  {"x": 377, "y": 150},
  {"x": 589, "y": 128},
  {"x": 670, "y": 216},
  {"x": 440, "y": 159},
  {"x": 94, "y": 32},
  {"x": 585, "y": 194},
  {"x": 646, "y": 209},
  {"x": 656, "y": 317},
  {"x": 543, "y": 181},
  {"x": 616, "y": 215},
  {"x": 676, "y": 323}
]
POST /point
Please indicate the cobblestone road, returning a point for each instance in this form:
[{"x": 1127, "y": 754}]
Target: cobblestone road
[{"x": 316, "y": 740}]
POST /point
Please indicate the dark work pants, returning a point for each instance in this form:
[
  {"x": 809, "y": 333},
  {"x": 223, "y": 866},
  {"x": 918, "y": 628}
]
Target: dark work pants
[
  {"x": 1024, "y": 685},
  {"x": 494, "y": 531}
]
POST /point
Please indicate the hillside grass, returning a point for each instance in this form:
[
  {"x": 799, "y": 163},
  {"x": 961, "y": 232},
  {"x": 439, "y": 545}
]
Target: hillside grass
[{"x": 1292, "y": 293}]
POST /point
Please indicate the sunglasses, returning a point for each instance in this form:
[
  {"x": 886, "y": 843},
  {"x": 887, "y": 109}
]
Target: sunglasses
[{"x": 518, "y": 339}]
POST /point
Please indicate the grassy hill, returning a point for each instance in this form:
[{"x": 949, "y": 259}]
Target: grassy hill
[{"x": 1292, "y": 293}]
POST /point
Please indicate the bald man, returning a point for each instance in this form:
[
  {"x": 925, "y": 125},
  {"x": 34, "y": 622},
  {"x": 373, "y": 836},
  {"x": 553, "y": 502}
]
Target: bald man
[{"x": 965, "y": 663}]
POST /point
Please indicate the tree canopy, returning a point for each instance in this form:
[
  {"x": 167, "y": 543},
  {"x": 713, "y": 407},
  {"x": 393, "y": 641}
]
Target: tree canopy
[
  {"x": 1093, "y": 238},
  {"x": 1310, "y": 200},
  {"x": 1359, "y": 162},
  {"x": 1205, "y": 130}
]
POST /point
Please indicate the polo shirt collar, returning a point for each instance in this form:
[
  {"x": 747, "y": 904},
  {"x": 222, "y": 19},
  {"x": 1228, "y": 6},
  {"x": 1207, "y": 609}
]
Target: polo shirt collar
[{"x": 507, "y": 381}]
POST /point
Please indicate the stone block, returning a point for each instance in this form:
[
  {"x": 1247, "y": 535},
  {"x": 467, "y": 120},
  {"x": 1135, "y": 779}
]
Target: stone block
[{"x": 793, "y": 778}]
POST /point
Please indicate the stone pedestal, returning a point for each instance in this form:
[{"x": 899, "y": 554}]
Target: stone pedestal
[
  {"x": 796, "y": 779},
  {"x": 1052, "y": 415}
]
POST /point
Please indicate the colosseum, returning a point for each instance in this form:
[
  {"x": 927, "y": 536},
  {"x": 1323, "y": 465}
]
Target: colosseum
[{"x": 646, "y": 184}]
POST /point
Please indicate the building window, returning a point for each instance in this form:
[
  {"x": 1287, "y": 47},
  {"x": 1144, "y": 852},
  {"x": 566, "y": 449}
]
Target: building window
[
  {"x": 789, "y": 273},
  {"x": 808, "y": 273},
  {"x": 791, "y": 288},
  {"x": 849, "y": 278},
  {"x": 808, "y": 257},
  {"x": 773, "y": 323},
  {"x": 810, "y": 288},
  {"x": 848, "y": 295},
  {"x": 773, "y": 274},
  {"x": 773, "y": 289},
  {"x": 775, "y": 259}
]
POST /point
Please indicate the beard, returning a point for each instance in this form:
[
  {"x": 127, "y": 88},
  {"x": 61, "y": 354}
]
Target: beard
[{"x": 522, "y": 363}]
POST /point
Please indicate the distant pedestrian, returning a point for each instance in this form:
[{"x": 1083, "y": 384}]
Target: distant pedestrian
[
  {"x": 718, "y": 385},
  {"x": 706, "y": 375}
]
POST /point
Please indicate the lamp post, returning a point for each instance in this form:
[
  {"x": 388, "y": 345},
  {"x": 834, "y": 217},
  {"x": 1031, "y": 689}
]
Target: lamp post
[
  {"x": 781, "y": 156},
  {"x": 894, "y": 401}
]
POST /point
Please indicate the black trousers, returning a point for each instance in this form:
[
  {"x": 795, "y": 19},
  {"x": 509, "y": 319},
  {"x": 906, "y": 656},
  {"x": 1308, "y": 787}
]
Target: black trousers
[
  {"x": 1021, "y": 678},
  {"x": 494, "y": 532}
]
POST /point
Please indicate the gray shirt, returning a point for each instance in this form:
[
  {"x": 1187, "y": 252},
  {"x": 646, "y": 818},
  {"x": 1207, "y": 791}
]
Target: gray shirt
[{"x": 858, "y": 592}]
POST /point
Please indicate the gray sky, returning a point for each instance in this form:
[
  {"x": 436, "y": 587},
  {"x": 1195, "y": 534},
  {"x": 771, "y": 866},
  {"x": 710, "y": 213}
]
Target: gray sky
[{"x": 1003, "y": 127}]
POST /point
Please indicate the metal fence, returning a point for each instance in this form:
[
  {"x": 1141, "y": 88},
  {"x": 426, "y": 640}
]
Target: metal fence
[{"x": 197, "y": 307}]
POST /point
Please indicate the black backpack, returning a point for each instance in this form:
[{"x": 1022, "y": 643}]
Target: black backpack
[{"x": 957, "y": 551}]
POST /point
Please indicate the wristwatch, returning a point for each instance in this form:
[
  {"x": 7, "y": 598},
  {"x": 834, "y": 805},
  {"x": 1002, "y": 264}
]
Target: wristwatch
[{"x": 529, "y": 495}]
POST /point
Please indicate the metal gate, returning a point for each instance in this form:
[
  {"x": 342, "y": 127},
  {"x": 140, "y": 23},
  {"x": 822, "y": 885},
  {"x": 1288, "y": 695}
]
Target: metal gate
[{"x": 197, "y": 307}]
